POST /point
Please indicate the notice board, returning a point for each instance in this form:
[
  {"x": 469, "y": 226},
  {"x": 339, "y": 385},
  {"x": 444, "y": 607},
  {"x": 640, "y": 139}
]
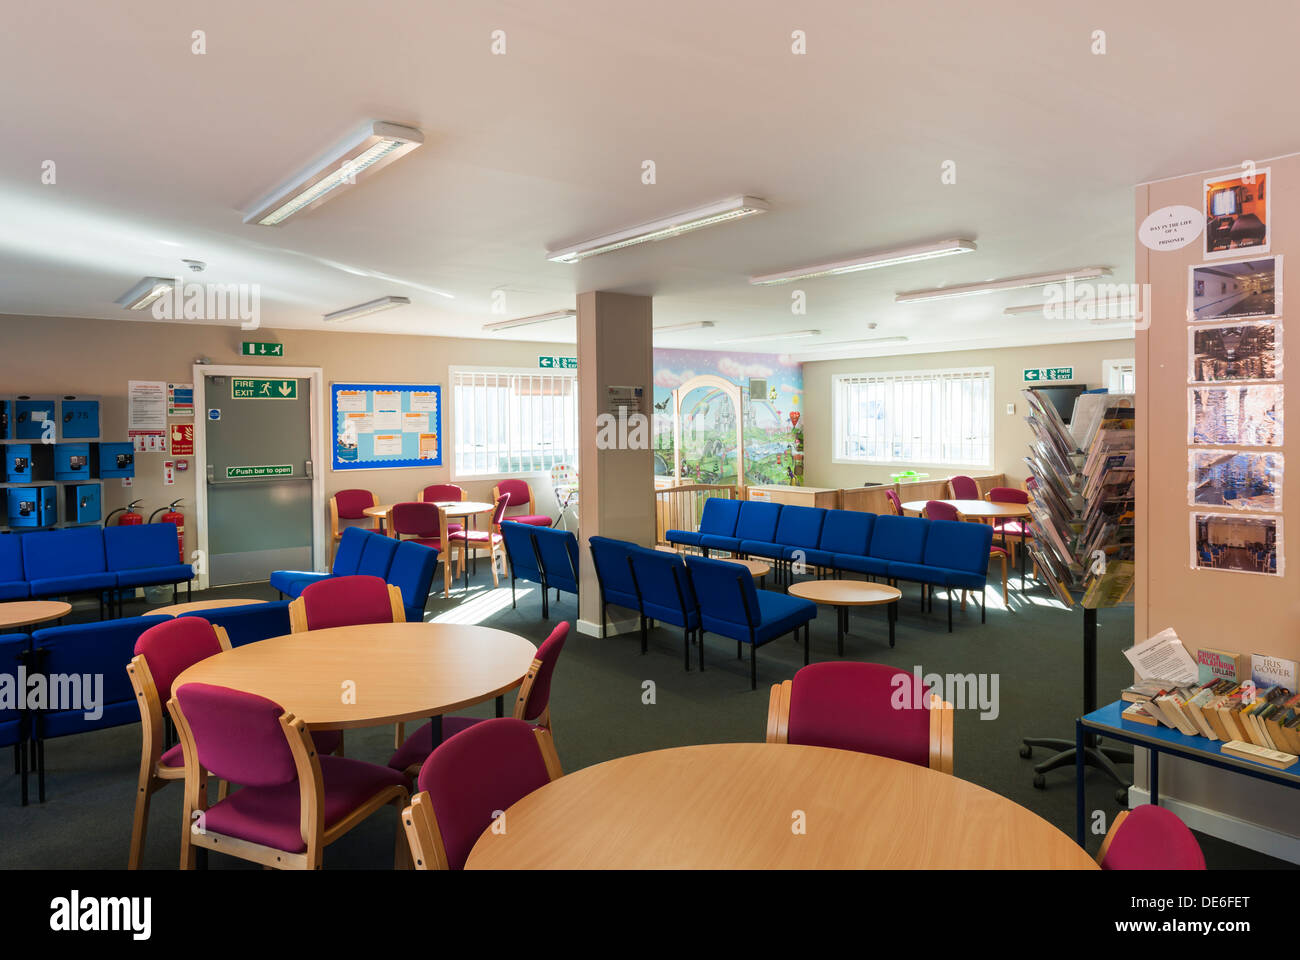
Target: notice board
[{"x": 385, "y": 425}]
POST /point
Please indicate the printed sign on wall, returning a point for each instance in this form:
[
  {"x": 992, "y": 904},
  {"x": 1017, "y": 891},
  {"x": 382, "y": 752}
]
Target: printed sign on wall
[{"x": 385, "y": 425}]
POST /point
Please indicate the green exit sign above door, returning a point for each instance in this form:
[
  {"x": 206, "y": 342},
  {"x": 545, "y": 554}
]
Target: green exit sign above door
[
  {"x": 558, "y": 363},
  {"x": 1044, "y": 374},
  {"x": 252, "y": 348},
  {"x": 255, "y": 388}
]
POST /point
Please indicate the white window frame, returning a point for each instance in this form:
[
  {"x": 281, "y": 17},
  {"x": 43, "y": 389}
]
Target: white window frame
[
  {"x": 837, "y": 416},
  {"x": 452, "y": 417},
  {"x": 1110, "y": 368}
]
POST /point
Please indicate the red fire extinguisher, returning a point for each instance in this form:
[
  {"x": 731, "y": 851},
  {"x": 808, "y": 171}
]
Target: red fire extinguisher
[
  {"x": 129, "y": 517},
  {"x": 173, "y": 516}
]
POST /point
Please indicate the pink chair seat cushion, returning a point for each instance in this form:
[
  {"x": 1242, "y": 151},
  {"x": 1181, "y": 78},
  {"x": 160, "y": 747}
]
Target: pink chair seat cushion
[
  {"x": 417, "y": 747},
  {"x": 271, "y": 815},
  {"x": 537, "y": 520},
  {"x": 475, "y": 536},
  {"x": 175, "y": 757},
  {"x": 1153, "y": 838},
  {"x": 848, "y": 706},
  {"x": 1013, "y": 528},
  {"x": 454, "y": 528},
  {"x": 997, "y": 552}
]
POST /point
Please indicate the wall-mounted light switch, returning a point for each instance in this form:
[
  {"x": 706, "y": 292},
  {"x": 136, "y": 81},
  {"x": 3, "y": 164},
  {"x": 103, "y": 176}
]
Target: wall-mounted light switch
[{"x": 1011, "y": 409}]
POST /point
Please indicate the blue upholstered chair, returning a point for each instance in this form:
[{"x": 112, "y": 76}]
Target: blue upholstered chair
[
  {"x": 756, "y": 521},
  {"x": 798, "y": 530},
  {"x": 59, "y": 562},
  {"x": 14, "y": 722},
  {"x": 718, "y": 519},
  {"x": 13, "y": 582},
  {"x": 521, "y": 555},
  {"x": 846, "y": 533},
  {"x": 98, "y": 650},
  {"x": 956, "y": 556},
  {"x": 663, "y": 587},
  {"x": 557, "y": 553},
  {"x": 249, "y": 622},
  {"x": 611, "y": 558},
  {"x": 412, "y": 572},
  {"x": 347, "y": 557},
  {"x": 144, "y": 556},
  {"x": 731, "y": 607}
]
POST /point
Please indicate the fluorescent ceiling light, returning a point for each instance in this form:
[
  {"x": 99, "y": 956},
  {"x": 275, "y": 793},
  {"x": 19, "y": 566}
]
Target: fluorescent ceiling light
[
  {"x": 992, "y": 286},
  {"x": 788, "y": 335},
  {"x": 732, "y": 208},
  {"x": 145, "y": 292},
  {"x": 535, "y": 318},
  {"x": 837, "y": 344},
  {"x": 363, "y": 309},
  {"x": 868, "y": 261},
  {"x": 1095, "y": 311},
  {"x": 375, "y": 146},
  {"x": 692, "y": 325}
]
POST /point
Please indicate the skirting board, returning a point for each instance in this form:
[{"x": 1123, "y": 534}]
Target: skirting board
[
  {"x": 615, "y": 627},
  {"x": 1241, "y": 832}
]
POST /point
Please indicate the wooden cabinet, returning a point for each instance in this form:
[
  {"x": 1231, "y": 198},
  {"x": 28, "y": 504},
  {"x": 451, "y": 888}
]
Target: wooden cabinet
[{"x": 828, "y": 497}]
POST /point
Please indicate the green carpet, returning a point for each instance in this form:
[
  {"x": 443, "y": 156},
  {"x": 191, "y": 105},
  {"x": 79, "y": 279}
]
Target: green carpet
[{"x": 598, "y": 712}]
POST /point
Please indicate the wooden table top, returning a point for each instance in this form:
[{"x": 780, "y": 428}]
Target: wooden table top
[
  {"x": 453, "y": 508},
  {"x": 196, "y": 606},
  {"x": 976, "y": 508},
  {"x": 845, "y": 593},
  {"x": 23, "y": 613},
  {"x": 757, "y": 568},
  {"x": 397, "y": 671},
  {"x": 732, "y": 805}
]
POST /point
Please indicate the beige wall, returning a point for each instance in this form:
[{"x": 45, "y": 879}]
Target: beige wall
[
  {"x": 1011, "y": 436},
  {"x": 98, "y": 357},
  {"x": 1233, "y": 611}
]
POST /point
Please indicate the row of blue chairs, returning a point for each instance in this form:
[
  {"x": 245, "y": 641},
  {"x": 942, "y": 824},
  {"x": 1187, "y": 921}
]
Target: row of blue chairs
[
  {"x": 407, "y": 565},
  {"x": 697, "y": 594},
  {"x": 543, "y": 555},
  {"x": 97, "y": 653},
  {"x": 943, "y": 553},
  {"x": 106, "y": 561}
]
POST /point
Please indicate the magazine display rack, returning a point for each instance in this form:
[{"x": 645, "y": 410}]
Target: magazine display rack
[{"x": 1083, "y": 527}]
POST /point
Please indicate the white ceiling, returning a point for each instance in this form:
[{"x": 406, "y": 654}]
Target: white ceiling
[{"x": 159, "y": 150}]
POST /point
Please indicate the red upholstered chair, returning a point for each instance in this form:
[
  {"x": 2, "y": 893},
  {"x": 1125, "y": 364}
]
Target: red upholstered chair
[
  {"x": 1012, "y": 530},
  {"x": 444, "y": 493},
  {"x": 1149, "y": 838},
  {"x": 348, "y": 505},
  {"x": 895, "y": 504},
  {"x": 467, "y": 780},
  {"x": 519, "y": 494},
  {"x": 161, "y": 653},
  {"x": 533, "y": 704},
  {"x": 963, "y": 488},
  {"x": 426, "y": 523},
  {"x": 292, "y": 802},
  {"x": 466, "y": 540},
  {"x": 938, "y": 510},
  {"x": 851, "y": 706},
  {"x": 346, "y": 602}
]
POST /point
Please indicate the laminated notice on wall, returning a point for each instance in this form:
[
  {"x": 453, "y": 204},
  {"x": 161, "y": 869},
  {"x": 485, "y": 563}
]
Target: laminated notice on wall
[
  {"x": 1243, "y": 351},
  {"x": 1235, "y": 479},
  {"x": 1237, "y": 543},
  {"x": 1235, "y": 416}
]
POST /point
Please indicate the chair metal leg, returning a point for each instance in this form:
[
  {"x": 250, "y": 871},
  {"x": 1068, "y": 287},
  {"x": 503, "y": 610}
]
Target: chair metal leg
[
  {"x": 512, "y": 590},
  {"x": 699, "y": 639},
  {"x": 983, "y": 608},
  {"x": 949, "y": 592},
  {"x": 686, "y": 648},
  {"x": 643, "y": 634},
  {"x": 604, "y": 621},
  {"x": 753, "y": 666}
]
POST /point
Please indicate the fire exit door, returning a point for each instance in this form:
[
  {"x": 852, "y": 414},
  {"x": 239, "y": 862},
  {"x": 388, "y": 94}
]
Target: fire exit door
[{"x": 259, "y": 476}]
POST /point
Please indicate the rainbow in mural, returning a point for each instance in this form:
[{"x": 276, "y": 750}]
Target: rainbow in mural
[{"x": 718, "y": 416}]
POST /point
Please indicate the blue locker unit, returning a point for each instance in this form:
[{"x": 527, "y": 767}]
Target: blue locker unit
[
  {"x": 33, "y": 506},
  {"x": 30, "y": 417},
  {"x": 79, "y": 419},
  {"x": 116, "y": 460},
  {"x": 81, "y": 503},
  {"x": 4, "y": 419},
  {"x": 74, "y": 462},
  {"x": 29, "y": 462}
]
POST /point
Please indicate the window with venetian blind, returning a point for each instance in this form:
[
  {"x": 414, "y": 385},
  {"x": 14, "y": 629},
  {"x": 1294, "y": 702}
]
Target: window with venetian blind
[
  {"x": 924, "y": 417},
  {"x": 513, "y": 421}
]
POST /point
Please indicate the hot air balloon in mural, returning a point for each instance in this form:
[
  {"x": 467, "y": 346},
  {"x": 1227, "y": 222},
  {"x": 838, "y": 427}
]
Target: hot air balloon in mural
[{"x": 794, "y": 418}]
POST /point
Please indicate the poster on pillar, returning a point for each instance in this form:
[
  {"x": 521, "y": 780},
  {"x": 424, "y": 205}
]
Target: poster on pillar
[{"x": 719, "y": 416}]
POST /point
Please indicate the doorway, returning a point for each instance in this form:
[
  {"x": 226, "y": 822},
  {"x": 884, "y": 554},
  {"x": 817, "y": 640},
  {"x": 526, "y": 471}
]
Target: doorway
[{"x": 258, "y": 492}]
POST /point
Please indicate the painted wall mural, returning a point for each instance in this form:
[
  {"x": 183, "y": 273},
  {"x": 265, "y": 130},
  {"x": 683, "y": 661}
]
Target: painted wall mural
[{"x": 772, "y": 425}]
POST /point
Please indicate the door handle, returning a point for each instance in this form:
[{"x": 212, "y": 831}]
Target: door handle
[
  {"x": 211, "y": 473},
  {"x": 306, "y": 469}
]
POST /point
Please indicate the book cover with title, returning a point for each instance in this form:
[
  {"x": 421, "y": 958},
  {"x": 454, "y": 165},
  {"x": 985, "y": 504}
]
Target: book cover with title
[
  {"x": 1214, "y": 664},
  {"x": 1267, "y": 671}
]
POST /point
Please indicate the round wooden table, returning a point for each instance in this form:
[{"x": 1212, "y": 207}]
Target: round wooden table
[
  {"x": 737, "y": 805},
  {"x": 453, "y": 508},
  {"x": 196, "y": 606},
  {"x": 985, "y": 510},
  {"x": 396, "y": 671},
  {"x": 24, "y": 613},
  {"x": 842, "y": 594}
]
